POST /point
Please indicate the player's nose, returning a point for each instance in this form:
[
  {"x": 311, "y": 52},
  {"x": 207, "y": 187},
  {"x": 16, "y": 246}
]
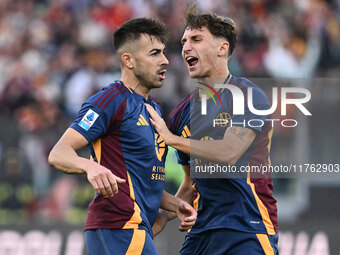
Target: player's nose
[
  {"x": 165, "y": 61},
  {"x": 186, "y": 47}
]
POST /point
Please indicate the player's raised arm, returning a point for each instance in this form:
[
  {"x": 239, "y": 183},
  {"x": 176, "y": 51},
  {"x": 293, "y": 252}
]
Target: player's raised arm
[
  {"x": 65, "y": 158},
  {"x": 227, "y": 150}
]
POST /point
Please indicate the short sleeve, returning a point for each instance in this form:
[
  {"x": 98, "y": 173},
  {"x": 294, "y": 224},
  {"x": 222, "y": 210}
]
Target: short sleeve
[
  {"x": 91, "y": 122},
  {"x": 97, "y": 114}
]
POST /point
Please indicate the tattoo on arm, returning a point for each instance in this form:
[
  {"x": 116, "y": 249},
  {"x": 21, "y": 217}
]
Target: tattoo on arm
[{"x": 240, "y": 132}]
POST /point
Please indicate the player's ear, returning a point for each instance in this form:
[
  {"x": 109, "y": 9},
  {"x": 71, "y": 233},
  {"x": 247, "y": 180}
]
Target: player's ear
[
  {"x": 127, "y": 60},
  {"x": 223, "y": 49}
]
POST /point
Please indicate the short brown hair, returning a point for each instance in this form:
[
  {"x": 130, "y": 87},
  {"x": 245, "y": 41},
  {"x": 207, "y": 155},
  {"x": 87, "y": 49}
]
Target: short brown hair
[{"x": 218, "y": 26}]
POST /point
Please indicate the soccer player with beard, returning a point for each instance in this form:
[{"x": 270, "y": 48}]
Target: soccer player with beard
[{"x": 127, "y": 170}]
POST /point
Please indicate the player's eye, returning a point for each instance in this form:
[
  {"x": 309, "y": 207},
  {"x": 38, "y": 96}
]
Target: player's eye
[{"x": 155, "y": 53}]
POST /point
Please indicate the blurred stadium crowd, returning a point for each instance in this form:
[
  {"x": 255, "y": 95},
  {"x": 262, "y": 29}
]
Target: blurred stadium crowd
[{"x": 55, "y": 54}]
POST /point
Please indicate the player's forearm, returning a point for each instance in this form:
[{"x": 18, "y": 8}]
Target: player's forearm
[
  {"x": 67, "y": 160},
  {"x": 215, "y": 150},
  {"x": 168, "y": 216},
  {"x": 185, "y": 192},
  {"x": 169, "y": 202}
]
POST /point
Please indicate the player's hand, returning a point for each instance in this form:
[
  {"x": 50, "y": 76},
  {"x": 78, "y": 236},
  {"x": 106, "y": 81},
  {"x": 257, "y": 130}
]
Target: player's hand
[
  {"x": 159, "y": 124},
  {"x": 160, "y": 223},
  {"x": 103, "y": 180},
  {"x": 187, "y": 216}
]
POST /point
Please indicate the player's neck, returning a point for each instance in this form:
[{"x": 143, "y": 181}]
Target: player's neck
[
  {"x": 212, "y": 80},
  {"x": 131, "y": 81},
  {"x": 217, "y": 77}
]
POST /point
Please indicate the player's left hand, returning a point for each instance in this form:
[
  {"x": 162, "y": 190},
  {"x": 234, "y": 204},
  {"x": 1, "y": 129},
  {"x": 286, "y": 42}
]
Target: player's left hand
[
  {"x": 187, "y": 216},
  {"x": 159, "y": 124}
]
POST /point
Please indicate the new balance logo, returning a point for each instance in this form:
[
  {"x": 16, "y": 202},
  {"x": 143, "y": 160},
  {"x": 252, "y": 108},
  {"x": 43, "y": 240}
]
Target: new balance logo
[{"x": 142, "y": 121}]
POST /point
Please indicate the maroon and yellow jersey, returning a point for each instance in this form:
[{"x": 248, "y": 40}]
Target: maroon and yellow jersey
[{"x": 116, "y": 124}]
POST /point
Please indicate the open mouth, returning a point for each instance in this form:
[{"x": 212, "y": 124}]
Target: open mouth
[
  {"x": 161, "y": 74},
  {"x": 191, "y": 61}
]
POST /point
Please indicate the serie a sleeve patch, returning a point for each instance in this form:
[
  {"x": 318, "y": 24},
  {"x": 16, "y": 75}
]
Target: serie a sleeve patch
[{"x": 88, "y": 120}]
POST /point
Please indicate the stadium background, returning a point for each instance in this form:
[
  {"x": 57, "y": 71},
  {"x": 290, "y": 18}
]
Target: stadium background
[{"x": 51, "y": 51}]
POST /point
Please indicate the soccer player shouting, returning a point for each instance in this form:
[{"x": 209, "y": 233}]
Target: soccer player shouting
[{"x": 236, "y": 216}]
